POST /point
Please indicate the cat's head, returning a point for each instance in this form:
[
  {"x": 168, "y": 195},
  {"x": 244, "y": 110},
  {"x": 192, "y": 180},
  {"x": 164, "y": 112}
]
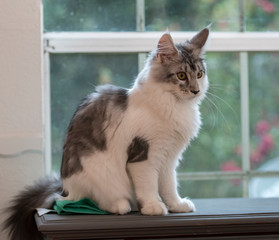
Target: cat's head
[{"x": 180, "y": 68}]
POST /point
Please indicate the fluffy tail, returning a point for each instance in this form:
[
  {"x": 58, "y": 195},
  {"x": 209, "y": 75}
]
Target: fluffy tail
[{"x": 20, "y": 222}]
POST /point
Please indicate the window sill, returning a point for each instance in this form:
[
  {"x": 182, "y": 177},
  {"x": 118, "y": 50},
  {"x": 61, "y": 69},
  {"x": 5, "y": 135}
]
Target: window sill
[{"x": 238, "y": 218}]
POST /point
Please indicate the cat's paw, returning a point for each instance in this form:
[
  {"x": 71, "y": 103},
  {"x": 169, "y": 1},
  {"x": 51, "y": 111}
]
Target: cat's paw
[
  {"x": 121, "y": 207},
  {"x": 184, "y": 205},
  {"x": 154, "y": 208}
]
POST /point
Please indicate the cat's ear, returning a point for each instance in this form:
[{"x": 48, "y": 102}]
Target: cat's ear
[
  {"x": 199, "y": 40},
  {"x": 166, "y": 49}
]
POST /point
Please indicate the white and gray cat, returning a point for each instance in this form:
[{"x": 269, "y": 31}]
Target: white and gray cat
[{"x": 123, "y": 145}]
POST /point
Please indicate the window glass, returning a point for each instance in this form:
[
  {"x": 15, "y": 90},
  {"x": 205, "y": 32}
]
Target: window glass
[
  {"x": 262, "y": 15},
  {"x": 176, "y": 15},
  {"x": 211, "y": 188},
  {"x": 267, "y": 187},
  {"x": 264, "y": 109},
  {"x": 75, "y": 75},
  {"x": 220, "y": 135},
  {"x": 89, "y": 15},
  {"x": 188, "y": 15}
]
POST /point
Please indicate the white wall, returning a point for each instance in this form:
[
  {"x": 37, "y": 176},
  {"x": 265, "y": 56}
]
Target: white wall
[{"x": 21, "y": 121}]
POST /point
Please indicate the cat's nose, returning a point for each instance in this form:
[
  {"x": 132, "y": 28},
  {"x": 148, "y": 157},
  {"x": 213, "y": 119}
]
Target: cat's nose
[{"x": 195, "y": 91}]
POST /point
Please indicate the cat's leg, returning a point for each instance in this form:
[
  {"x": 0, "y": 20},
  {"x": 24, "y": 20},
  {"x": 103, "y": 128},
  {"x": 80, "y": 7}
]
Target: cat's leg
[
  {"x": 145, "y": 180},
  {"x": 112, "y": 193},
  {"x": 109, "y": 196},
  {"x": 105, "y": 183},
  {"x": 169, "y": 194}
]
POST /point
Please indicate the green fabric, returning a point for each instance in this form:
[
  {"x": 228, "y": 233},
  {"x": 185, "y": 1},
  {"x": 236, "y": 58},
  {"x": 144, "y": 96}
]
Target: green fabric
[{"x": 83, "y": 206}]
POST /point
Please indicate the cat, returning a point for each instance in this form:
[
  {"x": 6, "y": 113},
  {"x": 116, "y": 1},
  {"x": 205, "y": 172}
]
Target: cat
[{"x": 123, "y": 146}]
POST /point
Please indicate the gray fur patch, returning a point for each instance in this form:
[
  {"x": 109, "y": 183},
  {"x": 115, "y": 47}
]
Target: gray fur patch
[
  {"x": 87, "y": 129},
  {"x": 117, "y": 95},
  {"x": 138, "y": 150},
  {"x": 188, "y": 57}
]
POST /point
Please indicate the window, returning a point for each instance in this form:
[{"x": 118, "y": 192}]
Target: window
[{"x": 90, "y": 42}]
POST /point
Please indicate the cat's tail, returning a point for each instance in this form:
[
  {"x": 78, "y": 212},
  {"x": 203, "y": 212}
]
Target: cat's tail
[{"x": 20, "y": 223}]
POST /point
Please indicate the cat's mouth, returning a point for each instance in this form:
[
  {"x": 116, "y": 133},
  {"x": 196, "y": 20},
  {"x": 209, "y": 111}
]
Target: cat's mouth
[
  {"x": 191, "y": 92},
  {"x": 186, "y": 93}
]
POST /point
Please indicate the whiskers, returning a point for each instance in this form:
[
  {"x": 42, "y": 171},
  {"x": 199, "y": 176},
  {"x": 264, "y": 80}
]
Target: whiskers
[{"x": 213, "y": 101}]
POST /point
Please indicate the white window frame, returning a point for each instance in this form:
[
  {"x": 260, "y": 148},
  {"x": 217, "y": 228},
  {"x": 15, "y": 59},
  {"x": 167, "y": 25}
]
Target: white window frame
[
  {"x": 137, "y": 42},
  {"x": 143, "y": 42}
]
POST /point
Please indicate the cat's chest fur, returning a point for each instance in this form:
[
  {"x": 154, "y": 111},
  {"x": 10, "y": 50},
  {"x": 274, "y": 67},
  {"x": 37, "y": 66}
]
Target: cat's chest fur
[{"x": 162, "y": 118}]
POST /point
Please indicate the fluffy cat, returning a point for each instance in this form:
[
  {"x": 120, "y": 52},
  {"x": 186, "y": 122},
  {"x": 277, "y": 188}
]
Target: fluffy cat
[{"x": 123, "y": 145}]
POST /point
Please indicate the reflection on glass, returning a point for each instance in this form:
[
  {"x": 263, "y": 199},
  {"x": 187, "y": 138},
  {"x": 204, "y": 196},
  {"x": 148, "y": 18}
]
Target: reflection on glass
[
  {"x": 72, "y": 77},
  {"x": 267, "y": 187}
]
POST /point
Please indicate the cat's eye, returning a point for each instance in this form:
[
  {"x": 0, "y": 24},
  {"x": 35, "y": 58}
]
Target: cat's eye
[
  {"x": 199, "y": 74},
  {"x": 182, "y": 76}
]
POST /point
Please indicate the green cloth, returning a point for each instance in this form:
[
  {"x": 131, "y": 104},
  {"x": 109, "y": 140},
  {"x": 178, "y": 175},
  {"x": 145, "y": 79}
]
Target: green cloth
[{"x": 83, "y": 206}]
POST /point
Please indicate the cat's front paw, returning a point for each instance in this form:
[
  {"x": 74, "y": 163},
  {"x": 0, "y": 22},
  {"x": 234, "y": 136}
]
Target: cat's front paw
[
  {"x": 120, "y": 207},
  {"x": 184, "y": 205},
  {"x": 154, "y": 208}
]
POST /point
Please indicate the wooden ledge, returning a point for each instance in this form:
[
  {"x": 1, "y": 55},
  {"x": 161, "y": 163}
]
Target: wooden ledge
[{"x": 214, "y": 219}]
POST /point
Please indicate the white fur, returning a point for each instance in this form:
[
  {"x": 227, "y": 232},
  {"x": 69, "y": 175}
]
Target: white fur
[{"x": 169, "y": 125}]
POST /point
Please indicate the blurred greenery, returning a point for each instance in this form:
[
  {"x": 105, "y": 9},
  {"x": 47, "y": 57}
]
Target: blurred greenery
[
  {"x": 211, "y": 188},
  {"x": 262, "y": 15},
  {"x": 218, "y": 146},
  {"x": 176, "y": 15},
  {"x": 188, "y": 15},
  {"x": 89, "y": 15}
]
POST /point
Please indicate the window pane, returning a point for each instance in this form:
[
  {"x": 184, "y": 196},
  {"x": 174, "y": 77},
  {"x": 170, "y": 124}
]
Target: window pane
[
  {"x": 262, "y": 15},
  {"x": 264, "y": 110},
  {"x": 188, "y": 15},
  {"x": 89, "y": 15},
  {"x": 72, "y": 77},
  {"x": 216, "y": 147},
  {"x": 176, "y": 15},
  {"x": 211, "y": 188},
  {"x": 265, "y": 187}
]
